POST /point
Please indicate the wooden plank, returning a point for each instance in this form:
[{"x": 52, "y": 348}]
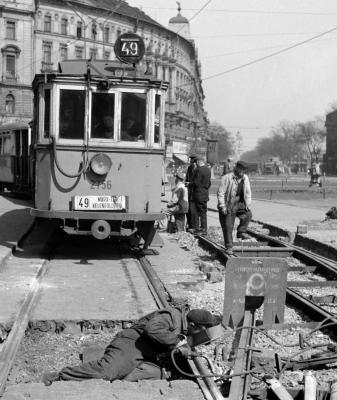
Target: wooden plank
[{"x": 17, "y": 332}]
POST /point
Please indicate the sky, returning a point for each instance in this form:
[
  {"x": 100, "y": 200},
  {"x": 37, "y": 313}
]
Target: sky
[{"x": 295, "y": 85}]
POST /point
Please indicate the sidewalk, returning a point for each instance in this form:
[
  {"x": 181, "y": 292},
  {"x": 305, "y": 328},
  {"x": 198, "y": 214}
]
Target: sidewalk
[{"x": 15, "y": 221}]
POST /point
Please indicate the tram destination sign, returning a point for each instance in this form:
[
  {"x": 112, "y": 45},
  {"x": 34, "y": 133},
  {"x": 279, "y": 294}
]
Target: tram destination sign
[
  {"x": 129, "y": 48},
  {"x": 99, "y": 203}
]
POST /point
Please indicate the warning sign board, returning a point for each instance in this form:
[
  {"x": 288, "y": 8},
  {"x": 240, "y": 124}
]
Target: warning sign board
[{"x": 251, "y": 282}]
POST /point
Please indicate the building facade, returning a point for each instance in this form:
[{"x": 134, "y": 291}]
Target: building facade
[{"x": 36, "y": 34}]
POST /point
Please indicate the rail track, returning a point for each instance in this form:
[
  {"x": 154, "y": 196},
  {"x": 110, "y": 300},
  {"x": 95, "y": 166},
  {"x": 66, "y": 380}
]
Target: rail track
[
  {"x": 30, "y": 299},
  {"x": 307, "y": 272}
]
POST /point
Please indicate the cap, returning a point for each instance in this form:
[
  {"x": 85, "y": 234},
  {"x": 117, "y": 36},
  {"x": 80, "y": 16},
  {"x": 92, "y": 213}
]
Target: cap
[
  {"x": 242, "y": 164},
  {"x": 202, "y": 317},
  {"x": 180, "y": 175},
  {"x": 193, "y": 156}
]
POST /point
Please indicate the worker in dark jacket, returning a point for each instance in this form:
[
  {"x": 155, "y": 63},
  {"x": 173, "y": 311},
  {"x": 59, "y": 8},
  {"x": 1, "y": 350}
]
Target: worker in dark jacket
[
  {"x": 200, "y": 196},
  {"x": 133, "y": 354}
]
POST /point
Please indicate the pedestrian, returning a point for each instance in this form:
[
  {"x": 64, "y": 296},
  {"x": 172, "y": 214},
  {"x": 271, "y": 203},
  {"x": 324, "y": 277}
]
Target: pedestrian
[
  {"x": 234, "y": 200},
  {"x": 228, "y": 166},
  {"x": 178, "y": 207},
  {"x": 200, "y": 195},
  {"x": 137, "y": 352},
  {"x": 188, "y": 182}
]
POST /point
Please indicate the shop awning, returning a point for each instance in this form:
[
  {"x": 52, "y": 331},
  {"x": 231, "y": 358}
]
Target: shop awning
[{"x": 181, "y": 157}]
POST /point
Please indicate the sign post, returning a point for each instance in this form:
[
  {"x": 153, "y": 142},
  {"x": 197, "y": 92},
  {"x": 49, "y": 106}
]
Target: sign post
[{"x": 251, "y": 282}]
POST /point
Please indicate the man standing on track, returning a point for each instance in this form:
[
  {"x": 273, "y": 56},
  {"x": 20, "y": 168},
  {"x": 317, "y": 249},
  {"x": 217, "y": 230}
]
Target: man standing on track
[
  {"x": 200, "y": 196},
  {"x": 234, "y": 200},
  {"x": 188, "y": 182},
  {"x": 134, "y": 353}
]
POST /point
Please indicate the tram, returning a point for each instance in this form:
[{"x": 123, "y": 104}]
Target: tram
[
  {"x": 15, "y": 160},
  {"x": 99, "y": 145}
]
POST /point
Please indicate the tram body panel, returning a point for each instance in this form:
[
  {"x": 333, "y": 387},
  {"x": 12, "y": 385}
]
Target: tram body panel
[{"x": 135, "y": 176}]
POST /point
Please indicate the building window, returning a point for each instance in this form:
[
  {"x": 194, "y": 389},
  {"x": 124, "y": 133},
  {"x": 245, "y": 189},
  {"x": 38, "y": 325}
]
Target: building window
[
  {"x": 10, "y": 65},
  {"x": 79, "y": 52},
  {"x": 107, "y": 55},
  {"x": 93, "y": 31},
  {"x": 106, "y": 34},
  {"x": 93, "y": 54},
  {"x": 46, "y": 50},
  {"x": 79, "y": 28},
  {"x": 46, "y": 54},
  {"x": 64, "y": 26},
  {"x": 64, "y": 52},
  {"x": 10, "y": 104},
  {"x": 10, "y": 55},
  {"x": 10, "y": 30},
  {"x": 47, "y": 23}
]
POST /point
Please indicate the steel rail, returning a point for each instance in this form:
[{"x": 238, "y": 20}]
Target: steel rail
[
  {"x": 207, "y": 385},
  {"x": 240, "y": 383},
  {"x": 305, "y": 255},
  {"x": 292, "y": 297},
  {"x": 18, "y": 329}
]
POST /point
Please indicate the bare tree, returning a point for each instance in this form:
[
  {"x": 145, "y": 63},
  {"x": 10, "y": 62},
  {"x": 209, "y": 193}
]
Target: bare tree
[
  {"x": 312, "y": 135},
  {"x": 225, "y": 140}
]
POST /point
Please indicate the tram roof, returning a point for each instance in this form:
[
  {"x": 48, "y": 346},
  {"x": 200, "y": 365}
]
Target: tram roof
[
  {"x": 14, "y": 126},
  {"x": 102, "y": 69}
]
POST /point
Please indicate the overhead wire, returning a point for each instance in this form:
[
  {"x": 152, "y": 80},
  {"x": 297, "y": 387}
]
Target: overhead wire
[
  {"x": 260, "y": 59},
  {"x": 194, "y": 15},
  {"x": 228, "y": 10}
]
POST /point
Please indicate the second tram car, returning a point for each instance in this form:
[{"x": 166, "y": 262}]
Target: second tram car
[
  {"x": 15, "y": 161},
  {"x": 99, "y": 146}
]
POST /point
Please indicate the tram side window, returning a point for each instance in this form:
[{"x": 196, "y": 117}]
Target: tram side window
[
  {"x": 157, "y": 118},
  {"x": 8, "y": 145},
  {"x": 71, "y": 114},
  {"x": 46, "y": 122},
  {"x": 133, "y": 117},
  {"x": 102, "y": 115}
]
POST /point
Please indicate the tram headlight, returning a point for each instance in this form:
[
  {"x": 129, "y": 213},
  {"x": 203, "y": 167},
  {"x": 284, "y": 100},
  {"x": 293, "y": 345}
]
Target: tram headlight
[{"x": 100, "y": 164}]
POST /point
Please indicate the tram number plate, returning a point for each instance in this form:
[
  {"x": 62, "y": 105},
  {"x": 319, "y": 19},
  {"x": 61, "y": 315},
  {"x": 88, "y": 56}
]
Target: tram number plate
[{"x": 97, "y": 203}]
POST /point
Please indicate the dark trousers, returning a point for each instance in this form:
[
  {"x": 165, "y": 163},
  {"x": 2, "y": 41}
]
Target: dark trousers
[
  {"x": 227, "y": 225},
  {"x": 122, "y": 359},
  {"x": 180, "y": 222},
  {"x": 198, "y": 215}
]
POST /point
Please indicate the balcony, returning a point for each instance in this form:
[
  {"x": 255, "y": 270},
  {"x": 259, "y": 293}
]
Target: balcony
[{"x": 46, "y": 66}]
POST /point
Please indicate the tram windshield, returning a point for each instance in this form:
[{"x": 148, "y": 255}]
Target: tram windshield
[
  {"x": 102, "y": 115},
  {"x": 133, "y": 117},
  {"x": 71, "y": 122}
]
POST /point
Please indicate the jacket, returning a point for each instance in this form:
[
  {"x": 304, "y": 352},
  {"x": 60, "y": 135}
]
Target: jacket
[
  {"x": 179, "y": 204},
  {"x": 227, "y": 192},
  {"x": 201, "y": 184}
]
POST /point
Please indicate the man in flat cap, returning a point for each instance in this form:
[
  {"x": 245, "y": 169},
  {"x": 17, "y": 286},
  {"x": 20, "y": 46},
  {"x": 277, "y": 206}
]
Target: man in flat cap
[
  {"x": 188, "y": 182},
  {"x": 200, "y": 195},
  {"x": 234, "y": 200},
  {"x": 136, "y": 353}
]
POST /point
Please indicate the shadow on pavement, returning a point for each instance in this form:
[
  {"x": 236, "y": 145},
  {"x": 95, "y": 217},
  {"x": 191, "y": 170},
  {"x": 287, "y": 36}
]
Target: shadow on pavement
[{"x": 13, "y": 225}]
